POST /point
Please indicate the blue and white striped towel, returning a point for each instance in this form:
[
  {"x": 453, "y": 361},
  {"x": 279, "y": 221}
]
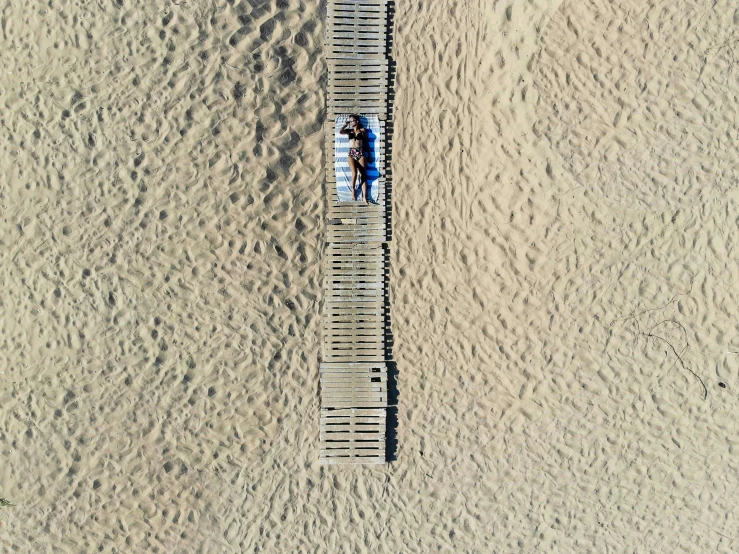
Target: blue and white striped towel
[{"x": 373, "y": 155}]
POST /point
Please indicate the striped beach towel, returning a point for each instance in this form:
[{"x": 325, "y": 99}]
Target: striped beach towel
[{"x": 373, "y": 156}]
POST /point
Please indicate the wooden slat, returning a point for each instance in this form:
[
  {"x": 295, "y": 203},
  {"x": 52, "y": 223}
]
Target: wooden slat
[{"x": 355, "y": 2}]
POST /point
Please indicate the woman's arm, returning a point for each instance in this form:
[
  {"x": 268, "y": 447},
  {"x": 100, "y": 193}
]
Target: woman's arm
[{"x": 344, "y": 130}]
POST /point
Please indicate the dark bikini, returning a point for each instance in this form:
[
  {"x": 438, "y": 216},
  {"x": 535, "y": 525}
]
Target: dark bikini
[{"x": 356, "y": 153}]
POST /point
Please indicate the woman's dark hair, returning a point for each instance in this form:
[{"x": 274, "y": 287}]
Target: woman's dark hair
[{"x": 357, "y": 116}]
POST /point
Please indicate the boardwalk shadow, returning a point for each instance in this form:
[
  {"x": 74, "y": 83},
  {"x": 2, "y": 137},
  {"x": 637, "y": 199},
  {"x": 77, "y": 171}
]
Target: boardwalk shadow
[
  {"x": 393, "y": 394},
  {"x": 373, "y": 172}
]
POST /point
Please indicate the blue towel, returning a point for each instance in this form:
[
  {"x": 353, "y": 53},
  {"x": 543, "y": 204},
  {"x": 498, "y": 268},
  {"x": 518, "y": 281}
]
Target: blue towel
[{"x": 374, "y": 157}]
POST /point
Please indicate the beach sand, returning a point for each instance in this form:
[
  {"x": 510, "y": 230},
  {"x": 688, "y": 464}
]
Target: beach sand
[{"x": 563, "y": 309}]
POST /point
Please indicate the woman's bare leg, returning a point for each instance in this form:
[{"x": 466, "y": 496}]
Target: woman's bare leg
[
  {"x": 363, "y": 172},
  {"x": 353, "y": 167}
]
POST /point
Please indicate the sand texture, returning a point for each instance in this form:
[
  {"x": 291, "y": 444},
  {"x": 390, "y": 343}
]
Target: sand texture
[{"x": 563, "y": 280}]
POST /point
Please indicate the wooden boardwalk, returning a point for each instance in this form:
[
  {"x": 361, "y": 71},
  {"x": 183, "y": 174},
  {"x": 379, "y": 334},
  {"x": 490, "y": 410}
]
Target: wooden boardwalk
[{"x": 354, "y": 376}]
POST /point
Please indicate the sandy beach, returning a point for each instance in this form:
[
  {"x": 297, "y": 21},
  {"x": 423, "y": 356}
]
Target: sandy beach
[{"x": 565, "y": 220}]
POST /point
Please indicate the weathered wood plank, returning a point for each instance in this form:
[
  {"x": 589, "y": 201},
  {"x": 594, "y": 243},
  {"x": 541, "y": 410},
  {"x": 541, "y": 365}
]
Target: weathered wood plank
[{"x": 333, "y": 415}]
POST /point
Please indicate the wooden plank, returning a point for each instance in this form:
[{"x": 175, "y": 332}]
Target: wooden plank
[
  {"x": 369, "y": 340},
  {"x": 368, "y": 370},
  {"x": 356, "y": 225},
  {"x": 353, "y": 453},
  {"x": 356, "y": 303},
  {"x": 344, "y": 337},
  {"x": 336, "y": 367},
  {"x": 346, "y": 296},
  {"x": 356, "y": 51},
  {"x": 352, "y": 436},
  {"x": 374, "y": 302},
  {"x": 356, "y": 6},
  {"x": 345, "y": 431},
  {"x": 363, "y": 2},
  {"x": 346, "y": 268},
  {"x": 345, "y": 254},
  {"x": 353, "y": 36},
  {"x": 363, "y": 287},
  {"x": 357, "y": 215},
  {"x": 361, "y": 33},
  {"x": 352, "y": 412},
  {"x": 362, "y": 308},
  {"x": 344, "y": 350},
  {"x": 355, "y": 356},
  {"x": 355, "y": 236},
  {"x": 353, "y": 352},
  {"x": 356, "y": 325},
  {"x": 357, "y": 270},
  {"x": 343, "y": 346},
  {"x": 353, "y": 258},
  {"x": 347, "y": 20},
  {"x": 342, "y": 311},
  {"x": 353, "y": 281},
  {"x": 340, "y": 422},
  {"x": 351, "y": 296},
  {"x": 358, "y": 235},
  {"x": 348, "y": 290},
  {"x": 343, "y": 210},
  {"x": 338, "y": 300},
  {"x": 373, "y": 427},
  {"x": 364, "y": 382},
  {"x": 338, "y": 65},
  {"x": 348, "y": 254},
  {"x": 337, "y": 315},
  {"x": 338, "y": 384},
  {"x": 358, "y": 450},
  {"x": 349, "y": 447},
  {"x": 355, "y": 220},
  {"x": 348, "y": 15},
  {"x": 357, "y": 232},
  {"x": 359, "y": 402},
  {"x": 355, "y": 460},
  {"x": 374, "y": 272},
  {"x": 353, "y": 43},
  {"x": 355, "y": 335},
  {"x": 335, "y": 331},
  {"x": 356, "y": 101},
  {"x": 349, "y": 388},
  {"x": 378, "y": 322}
]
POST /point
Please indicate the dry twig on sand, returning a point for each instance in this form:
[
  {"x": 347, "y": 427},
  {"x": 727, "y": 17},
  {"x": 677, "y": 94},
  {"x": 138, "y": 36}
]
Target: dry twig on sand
[{"x": 650, "y": 334}]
